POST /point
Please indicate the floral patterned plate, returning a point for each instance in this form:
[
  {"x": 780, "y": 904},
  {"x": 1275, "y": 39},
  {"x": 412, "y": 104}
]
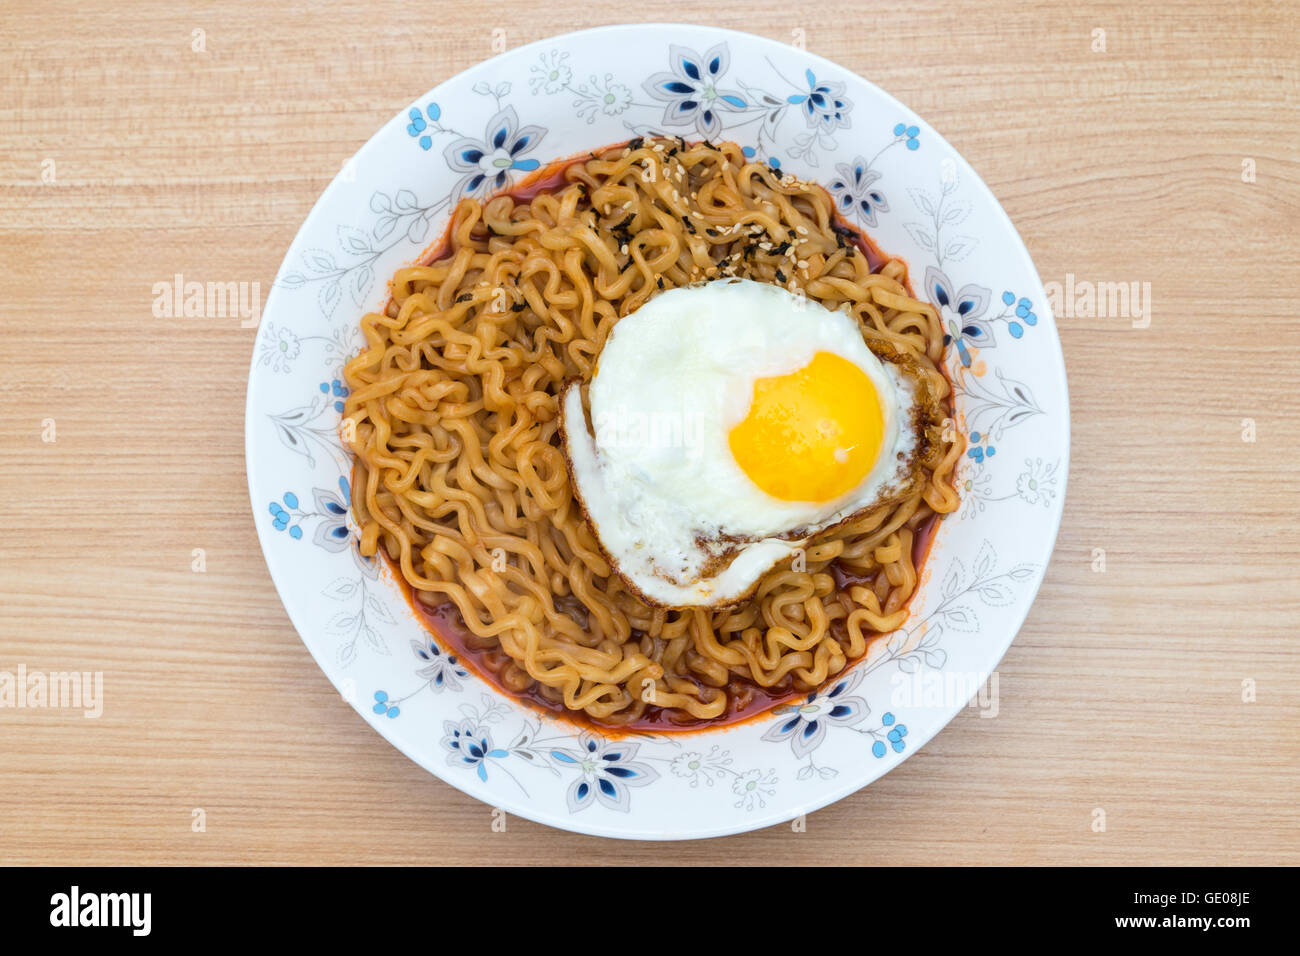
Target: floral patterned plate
[{"x": 887, "y": 170}]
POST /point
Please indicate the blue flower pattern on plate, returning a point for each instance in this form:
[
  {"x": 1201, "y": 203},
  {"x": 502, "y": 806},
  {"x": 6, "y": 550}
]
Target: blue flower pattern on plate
[
  {"x": 338, "y": 390},
  {"x": 606, "y": 772},
  {"x": 805, "y": 724},
  {"x": 488, "y": 162},
  {"x": 419, "y": 127},
  {"x": 855, "y": 194},
  {"x": 894, "y": 734},
  {"x": 825, "y": 107},
  {"x": 384, "y": 706},
  {"x": 908, "y": 134},
  {"x": 470, "y": 746},
  {"x": 692, "y": 92}
]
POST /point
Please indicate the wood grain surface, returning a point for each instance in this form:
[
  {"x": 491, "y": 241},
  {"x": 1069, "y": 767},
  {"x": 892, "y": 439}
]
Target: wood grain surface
[{"x": 1124, "y": 690}]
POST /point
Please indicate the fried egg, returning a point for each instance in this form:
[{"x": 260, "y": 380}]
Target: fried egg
[{"x": 729, "y": 423}]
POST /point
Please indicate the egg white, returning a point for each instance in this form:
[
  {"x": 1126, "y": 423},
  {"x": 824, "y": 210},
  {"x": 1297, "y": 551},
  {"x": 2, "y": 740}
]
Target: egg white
[{"x": 657, "y": 479}]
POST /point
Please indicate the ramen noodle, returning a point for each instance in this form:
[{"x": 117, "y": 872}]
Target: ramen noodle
[{"x": 460, "y": 478}]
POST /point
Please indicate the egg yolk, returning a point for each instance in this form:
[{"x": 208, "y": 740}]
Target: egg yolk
[{"x": 813, "y": 434}]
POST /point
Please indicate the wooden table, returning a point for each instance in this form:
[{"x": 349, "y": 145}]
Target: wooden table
[{"x": 128, "y": 157}]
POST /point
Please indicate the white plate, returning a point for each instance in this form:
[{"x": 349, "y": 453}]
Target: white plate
[{"x": 894, "y": 176}]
